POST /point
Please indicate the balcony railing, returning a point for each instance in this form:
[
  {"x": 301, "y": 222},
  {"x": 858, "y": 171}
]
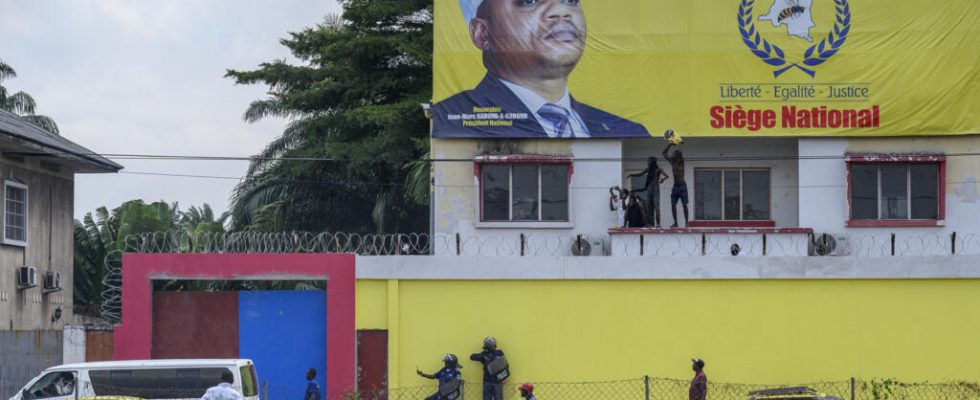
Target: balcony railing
[{"x": 800, "y": 242}]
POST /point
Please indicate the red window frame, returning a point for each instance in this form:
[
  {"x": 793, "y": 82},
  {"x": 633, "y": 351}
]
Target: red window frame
[
  {"x": 878, "y": 159},
  {"x": 480, "y": 161}
]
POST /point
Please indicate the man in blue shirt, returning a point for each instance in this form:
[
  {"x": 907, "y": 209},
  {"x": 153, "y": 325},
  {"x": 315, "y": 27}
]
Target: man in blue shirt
[
  {"x": 492, "y": 388},
  {"x": 445, "y": 375},
  {"x": 312, "y": 388}
]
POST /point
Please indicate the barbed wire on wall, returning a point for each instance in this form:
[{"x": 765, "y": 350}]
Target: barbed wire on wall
[
  {"x": 278, "y": 242},
  {"x": 521, "y": 244}
]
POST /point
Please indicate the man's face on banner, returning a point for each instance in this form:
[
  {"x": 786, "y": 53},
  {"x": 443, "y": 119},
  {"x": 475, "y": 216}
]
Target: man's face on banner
[{"x": 543, "y": 38}]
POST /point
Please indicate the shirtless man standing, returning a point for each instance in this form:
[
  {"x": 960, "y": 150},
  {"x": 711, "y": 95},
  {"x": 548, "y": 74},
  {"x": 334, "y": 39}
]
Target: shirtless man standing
[{"x": 679, "y": 191}]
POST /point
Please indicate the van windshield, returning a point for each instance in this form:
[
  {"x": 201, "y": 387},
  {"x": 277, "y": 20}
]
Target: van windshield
[
  {"x": 162, "y": 383},
  {"x": 249, "y": 385},
  {"x": 53, "y": 384}
]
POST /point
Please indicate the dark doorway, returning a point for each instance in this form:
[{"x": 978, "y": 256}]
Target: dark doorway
[{"x": 372, "y": 364}]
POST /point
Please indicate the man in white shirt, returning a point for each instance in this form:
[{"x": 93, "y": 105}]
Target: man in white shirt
[
  {"x": 529, "y": 49},
  {"x": 223, "y": 391}
]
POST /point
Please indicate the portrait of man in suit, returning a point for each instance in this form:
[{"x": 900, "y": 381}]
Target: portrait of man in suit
[{"x": 530, "y": 48}]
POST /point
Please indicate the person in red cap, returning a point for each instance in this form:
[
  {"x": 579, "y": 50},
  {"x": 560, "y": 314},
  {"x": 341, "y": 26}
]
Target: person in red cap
[
  {"x": 699, "y": 385},
  {"x": 527, "y": 391}
]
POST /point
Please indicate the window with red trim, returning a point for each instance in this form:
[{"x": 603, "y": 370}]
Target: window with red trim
[
  {"x": 895, "y": 190},
  {"x": 524, "y": 191}
]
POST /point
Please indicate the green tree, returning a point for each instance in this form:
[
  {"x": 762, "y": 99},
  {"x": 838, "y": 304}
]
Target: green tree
[
  {"x": 199, "y": 220},
  {"x": 354, "y": 100},
  {"x": 20, "y": 103},
  {"x": 102, "y": 235}
]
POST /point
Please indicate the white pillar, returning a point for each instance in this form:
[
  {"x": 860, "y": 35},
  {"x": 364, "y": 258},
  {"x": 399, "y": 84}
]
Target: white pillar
[{"x": 74, "y": 344}]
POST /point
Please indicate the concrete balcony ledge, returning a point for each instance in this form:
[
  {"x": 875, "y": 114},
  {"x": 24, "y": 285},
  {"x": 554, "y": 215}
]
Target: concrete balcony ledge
[
  {"x": 715, "y": 241},
  {"x": 668, "y": 268},
  {"x": 711, "y": 230}
]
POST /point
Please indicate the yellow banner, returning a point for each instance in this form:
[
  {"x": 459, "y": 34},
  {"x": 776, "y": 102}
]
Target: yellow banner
[{"x": 628, "y": 68}]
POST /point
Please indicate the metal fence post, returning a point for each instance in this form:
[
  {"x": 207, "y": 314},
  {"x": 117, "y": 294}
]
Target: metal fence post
[
  {"x": 646, "y": 387},
  {"x": 852, "y": 388},
  {"x": 265, "y": 390},
  {"x": 458, "y": 245},
  {"x": 893, "y": 243},
  {"x": 953, "y": 242}
]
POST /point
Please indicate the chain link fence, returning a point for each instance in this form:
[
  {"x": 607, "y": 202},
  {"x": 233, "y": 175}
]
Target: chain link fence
[
  {"x": 648, "y": 388},
  {"x": 644, "y": 388}
]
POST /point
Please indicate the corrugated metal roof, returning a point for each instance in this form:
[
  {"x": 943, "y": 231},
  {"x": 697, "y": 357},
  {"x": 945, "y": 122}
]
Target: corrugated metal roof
[{"x": 52, "y": 144}]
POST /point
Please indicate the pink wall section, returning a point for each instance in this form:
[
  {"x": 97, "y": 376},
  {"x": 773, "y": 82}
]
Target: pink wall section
[{"x": 132, "y": 338}]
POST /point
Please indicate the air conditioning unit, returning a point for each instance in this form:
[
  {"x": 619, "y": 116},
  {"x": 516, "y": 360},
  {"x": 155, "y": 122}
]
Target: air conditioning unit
[
  {"x": 52, "y": 281},
  {"x": 585, "y": 245},
  {"x": 26, "y": 277},
  {"x": 829, "y": 245}
]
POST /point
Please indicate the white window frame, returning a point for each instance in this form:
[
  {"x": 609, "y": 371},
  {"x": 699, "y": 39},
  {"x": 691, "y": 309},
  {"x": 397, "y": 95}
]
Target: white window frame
[
  {"x": 741, "y": 194},
  {"x": 6, "y": 185},
  {"x": 510, "y": 223}
]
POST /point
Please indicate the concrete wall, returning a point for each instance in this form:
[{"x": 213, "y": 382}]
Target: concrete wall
[
  {"x": 457, "y": 194},
  {"x": 50, "y": 248},
  {"x": 73, "y": 344},
  {"x": 710, "y": 243},
  {"x": 133, "y": 336},
  {"x": 24, "y": 354},
  {"x": 777, "y": 331},
  {"x": 823, "y": 193}
]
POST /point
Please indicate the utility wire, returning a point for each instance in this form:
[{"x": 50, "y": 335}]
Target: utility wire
[
  {"x": 336, "y": 183},
  {"x": 172, "y": 157}
]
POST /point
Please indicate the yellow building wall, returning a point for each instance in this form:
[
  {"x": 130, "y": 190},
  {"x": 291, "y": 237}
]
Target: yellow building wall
[
  {"x": 748, "y": 331},
  {"x": 371, "y": 300}
]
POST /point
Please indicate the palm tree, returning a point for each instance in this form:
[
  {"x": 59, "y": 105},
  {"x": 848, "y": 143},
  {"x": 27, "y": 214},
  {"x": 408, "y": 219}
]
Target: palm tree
[
  {"x": 22, "y": 104},
  {"x": 202, "y": 219},
  {"x": 95, "y": 238},
  {"x": 99, "y": 237}
]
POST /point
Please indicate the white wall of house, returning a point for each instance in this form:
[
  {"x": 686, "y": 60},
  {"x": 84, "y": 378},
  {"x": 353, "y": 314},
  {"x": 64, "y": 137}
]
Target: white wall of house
[
  {"x": 808, "y": 185},
  {"x": 823, "y": 203},
  {"x": 456, "y": 199}
]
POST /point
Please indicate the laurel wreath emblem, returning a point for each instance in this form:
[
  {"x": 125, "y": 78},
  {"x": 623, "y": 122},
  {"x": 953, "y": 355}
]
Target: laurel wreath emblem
[{"x": 814, "y": 55}]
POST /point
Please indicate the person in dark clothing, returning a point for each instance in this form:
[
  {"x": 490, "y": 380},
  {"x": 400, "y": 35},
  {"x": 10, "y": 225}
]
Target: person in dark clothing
[
  {"x": 635, "y": 213},
  {"x": 312, "y": 388},
  {"x": 493, "y": 389},
  {"x": 449, "y": 372},
  {"x": 527, "y": 391},
  {"x": 651, "y": 186},
  {"x": 699, "y": 385},
  {"x": 679, "y": 191}
]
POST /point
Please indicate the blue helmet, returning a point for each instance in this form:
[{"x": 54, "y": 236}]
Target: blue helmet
[{"x": 490, "y": 343}]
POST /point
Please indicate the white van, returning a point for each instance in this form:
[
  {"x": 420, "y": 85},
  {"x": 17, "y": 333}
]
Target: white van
[{"x": 147, "y": 379}]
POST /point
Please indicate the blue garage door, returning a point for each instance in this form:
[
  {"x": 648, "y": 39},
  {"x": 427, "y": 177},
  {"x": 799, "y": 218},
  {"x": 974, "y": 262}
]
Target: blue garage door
[{"x": 285, "y": 333}]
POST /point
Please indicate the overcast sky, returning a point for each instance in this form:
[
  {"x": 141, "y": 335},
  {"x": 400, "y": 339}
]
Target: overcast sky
[{"x": 147, "y": 77}]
